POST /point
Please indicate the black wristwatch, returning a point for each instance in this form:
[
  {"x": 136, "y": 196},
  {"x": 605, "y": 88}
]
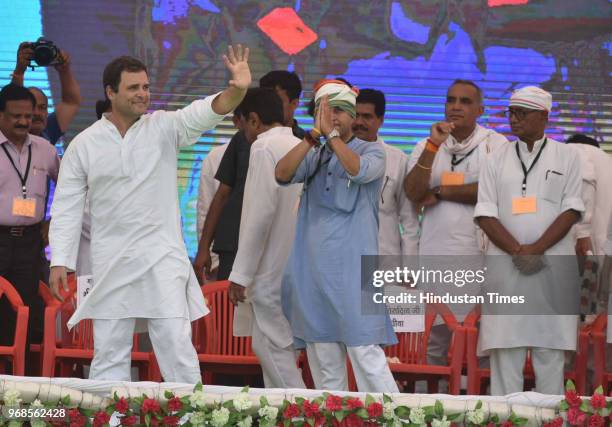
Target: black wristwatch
[{"x": 436, "y": 192}]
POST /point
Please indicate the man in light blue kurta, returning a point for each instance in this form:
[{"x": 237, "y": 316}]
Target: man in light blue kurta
[{"x": 337, "y": 224}]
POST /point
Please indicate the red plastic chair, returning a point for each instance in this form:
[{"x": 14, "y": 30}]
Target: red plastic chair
[
  {"x": 71, "y": 350},
  {"x": 16, "y": 352},
  {"x": 598, "y": 332},
  {"x": 412, "y": 353},
  {"x": 478, "y": 377},
  {"x": 36, "y": 353},
  {"x": 219, "y": 351}
]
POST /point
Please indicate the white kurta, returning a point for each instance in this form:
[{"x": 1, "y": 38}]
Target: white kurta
[
  {"x": 597, "y": 197},
  {"x": 267, "y": 231},
  {"x": 208, "y": 185},
  {"x": 398, "y": 229},
  {"x": 448, "y": 228},
  {"x": 607, "y": 248},
  {"x": 139, "y": 261},
  {"x": 559, "y": 191}
]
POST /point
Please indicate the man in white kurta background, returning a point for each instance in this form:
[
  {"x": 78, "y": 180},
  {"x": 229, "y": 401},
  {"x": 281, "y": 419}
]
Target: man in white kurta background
[
  {"x": 528, "y": 200},
  {"x": 267, "y": 229},
  {"x": 443, "y": 177},
  {"x": 126, "y": 164}
]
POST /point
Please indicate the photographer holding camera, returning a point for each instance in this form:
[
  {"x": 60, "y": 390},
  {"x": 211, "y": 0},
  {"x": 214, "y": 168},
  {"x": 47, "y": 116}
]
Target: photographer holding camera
[{"x": 45, "y": 53}]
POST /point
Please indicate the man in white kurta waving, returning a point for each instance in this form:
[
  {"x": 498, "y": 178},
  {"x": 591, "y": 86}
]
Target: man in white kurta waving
[
  {"x": 267, "y": 229},
  {"x": 126, "y": 164}
]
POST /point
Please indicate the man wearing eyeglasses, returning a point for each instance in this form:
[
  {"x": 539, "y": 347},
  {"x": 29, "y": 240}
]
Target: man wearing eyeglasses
[
  {"x": 443, "y": 178},
  {"x": 528, "y": 200}
]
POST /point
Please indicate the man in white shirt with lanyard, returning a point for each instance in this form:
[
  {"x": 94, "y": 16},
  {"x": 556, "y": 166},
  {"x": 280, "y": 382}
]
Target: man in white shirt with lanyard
[
  {"x": 528, "y": 200},
  {"x": 443, "y": 178},
  {"x": 126, "y": 165}
]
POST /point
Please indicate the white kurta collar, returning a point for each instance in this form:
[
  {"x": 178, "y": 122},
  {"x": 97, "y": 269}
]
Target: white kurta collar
[
  {"x": 525, "y": 153},
  {"x": 279, "y": 131}
]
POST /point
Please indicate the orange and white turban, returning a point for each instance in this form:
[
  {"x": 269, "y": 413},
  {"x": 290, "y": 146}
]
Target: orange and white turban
[{"x": 339, "y": 94}]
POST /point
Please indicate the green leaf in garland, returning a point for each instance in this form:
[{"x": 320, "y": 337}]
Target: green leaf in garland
[
  {"x": 429, "y": 411},
  {"x": 340, "y": 415},
  {"x": 287, "y": 423},
  {"x": 87, "y": 412},
  {"x": 198, "y": 386},
  {"x": 300, "y": 401},
  {"x": 402, "y": 412},
  {"x": 311, "y": 421},
  {"x": 168, "y": 394},
  {"x": 478, "y": 405},
  {"x": 438, "y": 409},
  {"x": 453, "y": 417},
  {"x": 369, "y": 400},
  {"x": 494, "y": 419},
  {"x": 362, "y": 413},
  {"x": 66, "y": 400},
  {"x": 585, "y": 407},
  {"x": 387, "y": 398},
  {"x": 263, "y": 401},
  {"x": 110, "y": 410},
  {"x": 563, "y": 406},
  {"x": 319, "y": 401},
  {"x": 148, "y": 419},
  {"x": 598, "y": 390},
  {"x": 115, "y": 397},
  {"x": 569, "y": 385},
  {"x": 245, "y": 389}
]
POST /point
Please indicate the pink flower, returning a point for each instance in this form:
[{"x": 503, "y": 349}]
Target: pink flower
[
  {"x": 292, "y": 411},
  {"x": 596, "y": 421},
  {"x": 122, "y": 406},
  {"x": 170, "y": 421},
  {"x": 149, "y": 405},
  {"x": 354, "y": 403},
  {"x": 129, "y": 421},
  {"x": 375, "y": 410},
  {"x": 310, "y": 409},
  {"x": 598, "y": 401},
  {"x": 572, "y": 398},
  {"x": 333, "y": 403},
  {"x": 175, "y": 404},
  {"x": 576, "y": 417},
  {"x": 352, "y": 420},
  {"x": 101, "y": 418},
  {"x": 557, "y": 422}
]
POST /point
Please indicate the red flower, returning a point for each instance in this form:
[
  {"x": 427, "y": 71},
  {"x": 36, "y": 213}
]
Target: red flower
[
  {"x": 175, "y": 404},
  {"x": 576, "y": 417},
  {"x": 557, "y": 422},
  {"x": 76, "y": 418},
  {"x": 490, "y": 425},
  {"x": 352, "y": 420},
  {"x": 333, "y": 403},
  {"x": 149, "y": 405},
  {"x": 596, "y": 421},
  {"x": 129, "y": 421},
  {"x": 375, "y": 410},
  {"x": 170, "y": 421},
  {"x": 122, "y": 406},
  {"x": 354, "y": 403},
  {"x": 292, "y": 411},
  {"x": 310, "y": 409},
  {"x": 507, "y": 423},
  {"x": 598, "y": 401},
  {"x": 572, "y": 399},
  {"x": 101, "y": 418}
]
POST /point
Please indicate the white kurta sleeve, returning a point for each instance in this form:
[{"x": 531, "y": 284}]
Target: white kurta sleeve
[
  {"x": 571, "y": 192},
  {"x": 206, "y": 191},
  {"x": 67, "y": 209},
  {"x": 589, "y": 182},
  {"x": 416, "y": 153},
  {"x": 197, "y": 117},
  {"x": 487, "y": 204},
  {"x": 608, "y": 244},
  {"x": 407, "y": 213},
  {"x": 259, "y": 206}
]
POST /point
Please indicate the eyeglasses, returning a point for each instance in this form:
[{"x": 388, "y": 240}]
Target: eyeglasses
[{"x": 519, "y": 114}]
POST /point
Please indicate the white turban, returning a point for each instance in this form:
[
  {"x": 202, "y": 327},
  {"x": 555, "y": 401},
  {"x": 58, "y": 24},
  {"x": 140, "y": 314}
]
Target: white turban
[
  {"x": 531, "y": 97},
  {"x": 339, "y": 94}
]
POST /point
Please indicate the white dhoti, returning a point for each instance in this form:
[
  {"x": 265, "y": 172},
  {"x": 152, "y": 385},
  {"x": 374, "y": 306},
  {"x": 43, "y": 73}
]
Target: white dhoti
[
  {"x": 327, "y": 363},
  {"x": 171, "y": 339}
]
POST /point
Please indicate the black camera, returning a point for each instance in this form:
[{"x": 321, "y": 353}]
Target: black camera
[{"x": 45, "y": 52}]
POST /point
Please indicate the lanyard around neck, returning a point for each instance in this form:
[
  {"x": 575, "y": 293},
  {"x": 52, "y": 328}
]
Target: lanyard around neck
[
  {"x": 525, "y": 170},
  {"x": 23, "y": 178}
]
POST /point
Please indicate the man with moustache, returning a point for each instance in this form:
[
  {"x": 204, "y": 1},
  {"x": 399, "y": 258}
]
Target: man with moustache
[
  {"x": 337, "y": 225},
  {"x": 443, "y": 178},
  {"x": 126, "y": 164},
  {"x": 528, "y": 200},
  {"x": 26, "y": 162}
]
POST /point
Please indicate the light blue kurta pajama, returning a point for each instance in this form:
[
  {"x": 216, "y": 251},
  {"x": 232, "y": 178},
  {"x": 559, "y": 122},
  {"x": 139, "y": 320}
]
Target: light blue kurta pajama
[{"x": 321, "y": 292}]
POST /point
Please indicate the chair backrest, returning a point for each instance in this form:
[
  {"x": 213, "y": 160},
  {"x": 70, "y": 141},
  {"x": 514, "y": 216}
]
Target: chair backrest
[
  {"x": 412, "y": 346},
  {"x": 7, "y": 289},
  {"x": 213, "y": 334}
]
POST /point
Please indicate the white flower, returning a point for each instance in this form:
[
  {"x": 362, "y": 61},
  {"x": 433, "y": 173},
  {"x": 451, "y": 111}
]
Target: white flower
[
  {"x": 197, "y": 419},
  {"x": 11, "y": 397},
  {"x": 268, "y": 412},
  {"x": 441, "y": 423},
  {"x": 14, "y": 423},
  {"x": 247, "y": 422},
  {"x": 37, "y": 404},
  {"x": 476, "y": 416},
  {"x": 417, "y": 416},
  {"x": 388, "y": 411},
  {"x": 242, "y": 402},
  {"x": 220, "y": 417},
  {"x": 197, "y": 399}
]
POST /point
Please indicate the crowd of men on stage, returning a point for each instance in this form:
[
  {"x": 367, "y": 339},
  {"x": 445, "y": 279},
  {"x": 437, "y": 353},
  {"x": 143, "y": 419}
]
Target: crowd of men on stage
[{"x": 285, "y": 214}]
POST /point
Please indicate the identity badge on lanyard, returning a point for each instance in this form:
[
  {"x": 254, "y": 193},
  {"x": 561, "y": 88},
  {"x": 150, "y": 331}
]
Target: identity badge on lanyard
[
  {"x": 526, "y": 204},
  {"x": 23, "y": 206},
  {"x": 452, "y": 177}
]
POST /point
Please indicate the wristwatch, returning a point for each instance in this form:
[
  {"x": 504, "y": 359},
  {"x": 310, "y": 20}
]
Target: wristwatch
[
  {"x": 436, "y": 192},
  {"x": 333, "y": 134}
]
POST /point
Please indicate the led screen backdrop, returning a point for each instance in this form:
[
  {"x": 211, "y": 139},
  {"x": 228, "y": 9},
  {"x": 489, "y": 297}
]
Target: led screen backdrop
[{"x": 411, "y": 50}]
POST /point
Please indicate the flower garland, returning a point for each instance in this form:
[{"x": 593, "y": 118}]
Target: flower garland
[{"x": 326, "y": 410}]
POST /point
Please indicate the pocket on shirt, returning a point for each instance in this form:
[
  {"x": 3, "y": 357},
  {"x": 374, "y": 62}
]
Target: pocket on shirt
[
  {"x": 37, "y": 181},
  {"x": 345, "y": 195},
  {"x": 553, "y": 187}
]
